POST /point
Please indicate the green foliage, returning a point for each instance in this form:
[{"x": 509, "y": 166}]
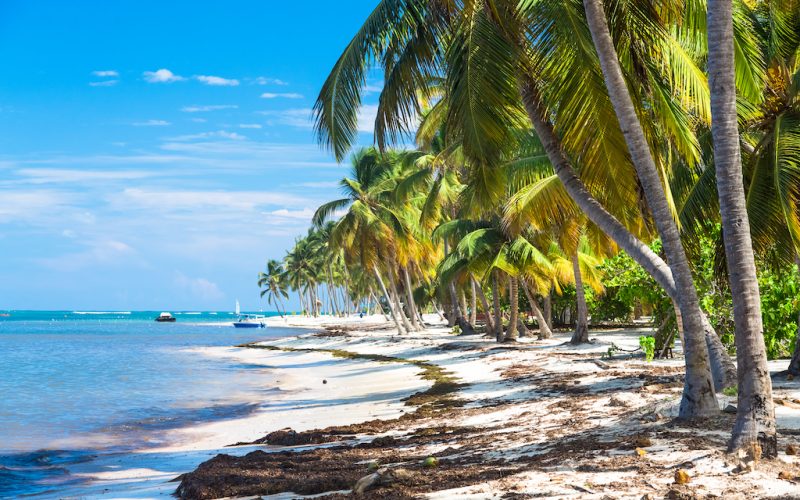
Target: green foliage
[
  {"x": 780, "y": 305},
  {"x": 611, "y": 351},
  {"x": 609, "y": 306},
  {"x": 648, "y": 345},
  {"x": 456, "y": 330},
  {"x": 730, "y": 391}
]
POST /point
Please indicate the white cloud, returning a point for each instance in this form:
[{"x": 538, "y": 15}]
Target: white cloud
[
  {"x": 220, "y": 201},
  {"x": 366, "y": 118},
  {"x": 61, "y": 176},
  {"x": 199, "y": 120},
  {"x": 32, "y": 205},
  {"x": 249, "y": 125},
  {"x": 218, "y": 81},
  {"x": 203, "y": 108},
  {"x": 105, "y": 73},
  {"x": 152, "y": 123},
  {"x": 298, "y": 117},
  {"x": 219, "y": 134},
  {"x": 102, "y": 252},
  {"x": 198, "y": 287},
  {"x": 372, "y": 88},
  {"x": 161, "y": 76},
  {"x": 304, "y": 214},
  {"x": 321, "y": 184},
  {"x": 263, "y": 80},
  {"x": 284, "y": 95},
  {"x": 107, "y": 83}
]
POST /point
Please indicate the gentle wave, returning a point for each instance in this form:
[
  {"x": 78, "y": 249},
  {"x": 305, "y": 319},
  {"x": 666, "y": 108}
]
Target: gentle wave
[{"x": 101, "y": 312}]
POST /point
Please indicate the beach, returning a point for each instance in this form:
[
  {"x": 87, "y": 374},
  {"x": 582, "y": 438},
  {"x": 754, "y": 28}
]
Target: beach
[{"x": 521, "y": 420}]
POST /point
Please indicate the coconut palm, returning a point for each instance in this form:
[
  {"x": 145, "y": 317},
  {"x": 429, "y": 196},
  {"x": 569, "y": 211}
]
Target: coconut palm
[
  {"x": 370, "y": 229},
  {"x": 483, "y": 61},
  {"x": 273, "y": 283}
]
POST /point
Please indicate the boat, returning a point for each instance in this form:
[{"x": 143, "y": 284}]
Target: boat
[
  {"x": 165, "y": 317},
  {"x": 250, "y": 321}
]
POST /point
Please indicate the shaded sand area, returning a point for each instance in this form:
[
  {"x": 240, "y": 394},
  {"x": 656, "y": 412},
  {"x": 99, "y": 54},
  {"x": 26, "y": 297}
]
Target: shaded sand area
[{"x": 528, "y": 420}]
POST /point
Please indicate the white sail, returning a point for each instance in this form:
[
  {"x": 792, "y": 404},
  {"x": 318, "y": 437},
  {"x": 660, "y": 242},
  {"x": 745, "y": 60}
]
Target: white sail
[{"x": 238, "y": 310}]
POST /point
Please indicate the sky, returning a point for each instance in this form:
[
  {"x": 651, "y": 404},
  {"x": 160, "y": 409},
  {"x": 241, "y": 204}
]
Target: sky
[{"x": 154, "y": 155}]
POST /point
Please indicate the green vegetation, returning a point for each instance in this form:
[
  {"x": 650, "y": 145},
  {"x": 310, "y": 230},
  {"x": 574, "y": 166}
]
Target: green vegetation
[
  {"x": 550, "y": 137},
  {"x": 648, "y": 345}
]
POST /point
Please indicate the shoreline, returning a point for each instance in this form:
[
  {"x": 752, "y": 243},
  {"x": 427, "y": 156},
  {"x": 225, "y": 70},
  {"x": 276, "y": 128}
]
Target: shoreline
[
  {"x": 513, "y": 419},
  {"x": 352, "y": 394},
  {"x": 533, "y": 419}
]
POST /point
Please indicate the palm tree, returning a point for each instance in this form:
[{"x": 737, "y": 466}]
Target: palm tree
[
  {"x": 368, "y": 230},
  {"x": 698, "y": 372},
  {"x": 486, "y": 67},
  {"x": 273, "y": 284},
  {"x": 755, "y": 417}
]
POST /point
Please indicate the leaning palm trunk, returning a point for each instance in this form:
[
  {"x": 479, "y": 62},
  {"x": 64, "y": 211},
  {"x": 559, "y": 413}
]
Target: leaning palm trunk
[
  {"x": 486, "y": 310},
  {"x": 548, "y": 310},
  {"x": 513, "y": 291},
  {"x": 281, "y": 307},
  {"x": 698, "y": 395},
  {"x": 389, "y": 301},
  {"x": 721, "y": 365},
  {"x": 755, "y": 417},
  {"x": 473, "y": 312},
  {"x": 412, "y": 307},
  {"x": 581, "y": 334},
  {"x": 398, "y": 304},
  {"x": 544, "y": 328},
  {"x": 498, "y": 319}
]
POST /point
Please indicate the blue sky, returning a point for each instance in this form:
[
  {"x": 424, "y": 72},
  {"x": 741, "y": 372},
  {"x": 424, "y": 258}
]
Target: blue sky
[{"x": 153, "y": 155}]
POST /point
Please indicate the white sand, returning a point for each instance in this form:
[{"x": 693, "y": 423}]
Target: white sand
[{"x": 357, "y": 391}]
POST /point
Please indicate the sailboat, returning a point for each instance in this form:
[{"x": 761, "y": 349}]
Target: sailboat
[{"x": 248, "y": 320}]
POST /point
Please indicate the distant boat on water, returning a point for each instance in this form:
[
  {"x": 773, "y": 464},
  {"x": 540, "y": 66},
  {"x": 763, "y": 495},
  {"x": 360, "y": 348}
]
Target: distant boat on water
[
  {"x": 248, "y": 320},
  {"x": 165, "y": 317}
]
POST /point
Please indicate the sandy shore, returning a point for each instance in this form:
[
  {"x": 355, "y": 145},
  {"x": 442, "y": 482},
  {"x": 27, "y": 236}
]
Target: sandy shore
[{"x": 532, "y": 419}]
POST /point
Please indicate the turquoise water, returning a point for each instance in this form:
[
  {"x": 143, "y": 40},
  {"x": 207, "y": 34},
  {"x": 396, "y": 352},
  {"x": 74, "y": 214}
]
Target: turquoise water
[{"x": 77, "y": 383}]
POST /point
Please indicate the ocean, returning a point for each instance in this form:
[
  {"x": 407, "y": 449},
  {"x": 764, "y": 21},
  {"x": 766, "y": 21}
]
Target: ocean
[{"x": 78, "y": 384}]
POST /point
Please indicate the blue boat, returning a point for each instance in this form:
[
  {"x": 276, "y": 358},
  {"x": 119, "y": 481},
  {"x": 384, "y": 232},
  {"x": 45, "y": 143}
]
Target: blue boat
[{"x": 250, "y": 321}]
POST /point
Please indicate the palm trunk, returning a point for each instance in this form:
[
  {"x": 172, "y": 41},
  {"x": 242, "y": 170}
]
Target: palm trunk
[
  {"x": 654, "y": 265},
  {"x": 581, "y": 334},
  {"x": 498, "y": 319},
  {"x": 281, "y": 306},
  {"x": 544, "y": 328},
  {"x": 397, "y": 322},
  {"x": 755, "y": 417},
  {"x": 439, "y": 310},
  {"x": 412, "y": 307},
  {"x": 398, "y": 304},
  {"x": 486, "y": 310},
  {"x": 473, "y": 312},
  {"x": 513, "y": 298},
  {"x": 548, "y": 310},
  {"x": 463, "y": 304},
  {"x": 699, "y": 398}
]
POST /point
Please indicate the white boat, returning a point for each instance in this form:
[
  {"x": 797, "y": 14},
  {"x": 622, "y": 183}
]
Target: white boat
[
  {"x": 248, "y": 320},
  {"x": 165, "y": 317}
]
